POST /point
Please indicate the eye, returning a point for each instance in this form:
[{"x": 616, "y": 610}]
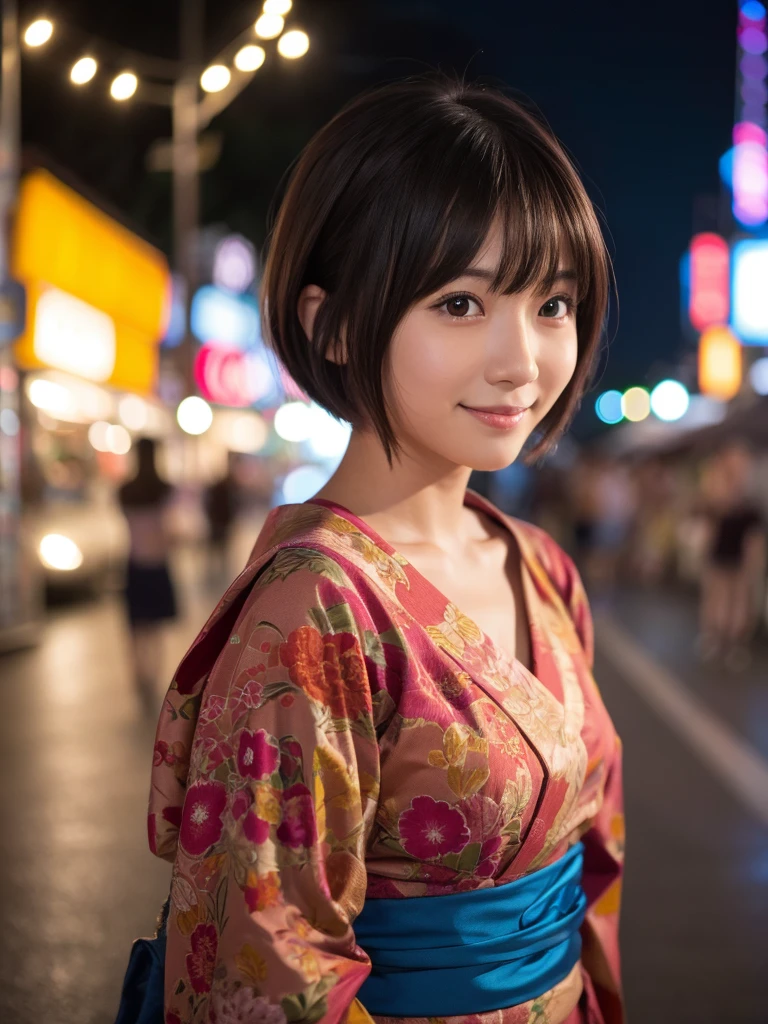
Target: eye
[
  {"x": 558, "y": 307},
  {"x": 460, "y": 306}
]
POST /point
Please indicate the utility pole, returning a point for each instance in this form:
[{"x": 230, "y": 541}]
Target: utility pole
[
  {"x": 186, "y": 177},
  {"x": 19, "y": 592},
  {"x": 10, "y": 101}
]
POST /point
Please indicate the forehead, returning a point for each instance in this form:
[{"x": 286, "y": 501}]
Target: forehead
[{"x": 491, "y": 251}]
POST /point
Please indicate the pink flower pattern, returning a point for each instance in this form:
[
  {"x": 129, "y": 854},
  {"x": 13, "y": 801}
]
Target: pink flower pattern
[
  {"x": 431, "y": 828},
  {"x": 257, "y": 757},
  {"x": 201, "y": 824}
]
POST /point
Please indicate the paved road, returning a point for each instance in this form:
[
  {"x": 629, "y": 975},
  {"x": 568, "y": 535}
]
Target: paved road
[
  {"x": 80, "y": 883},
  {"x": 695, "y": 910}
]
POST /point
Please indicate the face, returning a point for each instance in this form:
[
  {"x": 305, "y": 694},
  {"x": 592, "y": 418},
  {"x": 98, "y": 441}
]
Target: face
[{"x": 472, "y": 372}]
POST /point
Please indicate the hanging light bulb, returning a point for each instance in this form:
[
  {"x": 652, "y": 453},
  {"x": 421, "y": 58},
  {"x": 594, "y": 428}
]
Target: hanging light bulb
[
  {"x": 215, "y": 78},
  {"x": 250, "y": 58},
  {"x": 124, "y": 86},
  {"x": 39, "y": 32},
  {"x": 83, "y": 71},
  {"x": 293, "y": 44},
  {"x": 269, "y": 26}
]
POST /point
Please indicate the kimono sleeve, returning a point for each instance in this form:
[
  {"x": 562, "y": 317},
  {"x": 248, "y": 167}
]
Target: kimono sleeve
[
  {"x": 604, "y": 842},
  {"x": 284, "y": 778}
]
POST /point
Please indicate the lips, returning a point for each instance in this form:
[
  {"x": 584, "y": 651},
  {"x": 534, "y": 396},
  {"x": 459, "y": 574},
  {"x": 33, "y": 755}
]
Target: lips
[
  {"x": 498, "y": 410},
  {"x": 500, "y": 417}
]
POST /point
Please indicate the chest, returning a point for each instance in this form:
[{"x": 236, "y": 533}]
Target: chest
[{"x": 489, "y": 589}]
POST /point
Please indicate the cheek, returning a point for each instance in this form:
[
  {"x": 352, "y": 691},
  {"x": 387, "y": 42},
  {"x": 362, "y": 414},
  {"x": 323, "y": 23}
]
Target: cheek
[
  {"x": 556, "y": 361},
  {"x": 427, "y": 366}
]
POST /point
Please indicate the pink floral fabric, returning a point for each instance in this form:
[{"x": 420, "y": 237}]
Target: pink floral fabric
[{"x": 340, "y": 731}]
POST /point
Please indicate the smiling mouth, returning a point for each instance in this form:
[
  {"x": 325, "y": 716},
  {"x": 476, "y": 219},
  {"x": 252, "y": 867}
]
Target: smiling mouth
[{"x": 501, "y": 417}]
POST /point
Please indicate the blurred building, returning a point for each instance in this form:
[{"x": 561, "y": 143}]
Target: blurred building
[{"x": 85, "y": 374}]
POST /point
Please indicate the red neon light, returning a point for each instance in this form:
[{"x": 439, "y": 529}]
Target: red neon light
[
  {"x": 222, "y": 376},
  {"x": 709, "y": 301}
]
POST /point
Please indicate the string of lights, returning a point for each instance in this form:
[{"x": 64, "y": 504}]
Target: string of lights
[{"x": 137, "y": 72}]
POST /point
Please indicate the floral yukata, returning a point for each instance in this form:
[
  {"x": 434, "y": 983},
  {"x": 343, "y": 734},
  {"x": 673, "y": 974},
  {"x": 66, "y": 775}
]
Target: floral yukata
[{"x": 339, "y": 731}]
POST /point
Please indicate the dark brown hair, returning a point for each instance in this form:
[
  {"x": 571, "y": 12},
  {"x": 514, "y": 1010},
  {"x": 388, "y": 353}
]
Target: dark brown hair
[{"x": 391, "y": 201}]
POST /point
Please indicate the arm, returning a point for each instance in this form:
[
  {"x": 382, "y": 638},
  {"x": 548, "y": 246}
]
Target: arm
[{"x": 283, "y": 786}]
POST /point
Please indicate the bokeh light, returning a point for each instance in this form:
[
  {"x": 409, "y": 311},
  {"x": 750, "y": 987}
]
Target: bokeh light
[
  {"x": 294, "y": 421},
  {"x": 59, "y": 552},
  {"x": 608, "y": 407},
  {"x": 758, "y": 375},
  {"x": 277, "y": 6},
  {"x": 720, "y": 363},
  {"x": 215, "y": 78},
  {"x": 39, "y": 32},
  {"x": 194, "y": 415},
  {"x": 133, "y": 412},
  {"x": 124, "y": 86},
  {"x": 269, "y": 26},
  {"x": 250, "y": 58},
  {"x": 293, "y": 44},
  {"x": 83, "y": 70},
  {"x": 636, "y": 404},
  {"x": 752, "y": 10},
  {"x": 670, "y": 400}
]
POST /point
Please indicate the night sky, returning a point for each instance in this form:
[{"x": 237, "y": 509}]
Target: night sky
[{"x": 642, "y": 96}]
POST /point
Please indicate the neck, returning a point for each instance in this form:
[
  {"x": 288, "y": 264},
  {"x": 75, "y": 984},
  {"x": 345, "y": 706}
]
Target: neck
[{"x": 414, "y": 501}]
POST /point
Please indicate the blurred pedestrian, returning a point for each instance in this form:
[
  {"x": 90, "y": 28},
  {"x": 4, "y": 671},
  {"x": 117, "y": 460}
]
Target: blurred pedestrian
[
  {"x": 221, "y": 505},
  {"x": 583, "y": 497},
  {"x": 149, "y": 592},
  {"x": 733, "y": 575},
  {"x": 616, "y": 505}
]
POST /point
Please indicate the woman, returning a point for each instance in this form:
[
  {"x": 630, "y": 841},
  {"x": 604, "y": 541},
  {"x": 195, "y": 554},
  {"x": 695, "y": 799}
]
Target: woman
[
  {"x": 383, "y": 772},
  {"x": 149, "y": 593}
]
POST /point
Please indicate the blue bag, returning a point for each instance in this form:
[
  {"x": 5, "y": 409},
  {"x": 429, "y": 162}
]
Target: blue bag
[{"x": 142, "y": 1001}]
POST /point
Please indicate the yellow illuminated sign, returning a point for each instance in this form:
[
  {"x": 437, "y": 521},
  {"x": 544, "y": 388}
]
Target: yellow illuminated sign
[
  {"x": 97, "y": 294},
  {"x": 720, "y": 363}
]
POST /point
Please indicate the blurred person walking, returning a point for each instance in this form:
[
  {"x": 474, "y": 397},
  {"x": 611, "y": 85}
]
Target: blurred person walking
[
  {"x": 733, "y": 574},
  {"x": 150, "y": 596},
  {"x": 616, "y": 504},
  {"x": 221, "y": 506},
  {"x": 584, "y": 503}
]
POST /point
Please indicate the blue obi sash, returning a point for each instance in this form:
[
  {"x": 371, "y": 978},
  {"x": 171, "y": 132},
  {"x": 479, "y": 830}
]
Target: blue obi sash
[{"x": 470, "y": 952}]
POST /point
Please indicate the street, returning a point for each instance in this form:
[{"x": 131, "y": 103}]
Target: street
[{"x": 80, "y": 883}]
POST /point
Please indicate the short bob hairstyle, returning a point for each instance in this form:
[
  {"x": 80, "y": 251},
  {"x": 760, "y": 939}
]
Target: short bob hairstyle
[{"x": 392, "y": 200}]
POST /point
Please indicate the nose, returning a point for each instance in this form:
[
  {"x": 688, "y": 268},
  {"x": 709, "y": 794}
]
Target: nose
[{"x": 511, "y": 353}]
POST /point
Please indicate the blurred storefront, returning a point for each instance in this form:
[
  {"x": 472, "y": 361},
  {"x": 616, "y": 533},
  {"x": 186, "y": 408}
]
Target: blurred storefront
[{"x": 86, "y": 371}]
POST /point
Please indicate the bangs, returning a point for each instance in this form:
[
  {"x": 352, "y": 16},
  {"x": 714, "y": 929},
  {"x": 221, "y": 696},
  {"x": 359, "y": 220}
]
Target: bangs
[{"x": 543, "y": 224}]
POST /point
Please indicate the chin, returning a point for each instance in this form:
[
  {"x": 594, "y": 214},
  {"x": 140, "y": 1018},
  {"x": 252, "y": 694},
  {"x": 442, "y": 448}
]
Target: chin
[{"x": 488, "y": 458}]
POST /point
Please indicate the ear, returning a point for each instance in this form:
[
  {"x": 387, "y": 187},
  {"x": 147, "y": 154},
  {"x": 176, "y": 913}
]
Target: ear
[{"x": 311, "y": 298}]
